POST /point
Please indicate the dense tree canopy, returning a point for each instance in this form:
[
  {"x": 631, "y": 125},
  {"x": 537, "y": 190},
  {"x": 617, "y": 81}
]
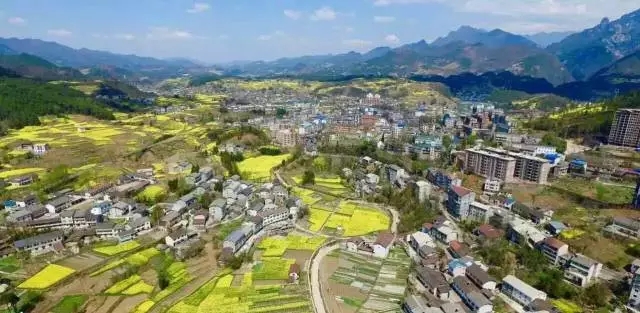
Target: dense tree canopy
[{"x": 23, "y": 101}]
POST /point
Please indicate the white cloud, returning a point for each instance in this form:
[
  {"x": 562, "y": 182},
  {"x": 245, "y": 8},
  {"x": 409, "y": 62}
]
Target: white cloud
[
  {"x": 167, "y": 33},
  {"x": 324, "y": 14},
  {"x": 384, "y": 19},
  {"x": 61, "y": 32},
  {"x": 16, "y": 21},
  {"x": 292, "y": 14},
  {"x": 124, "y": 36},
  {"x": 357, "y": 43},
  {"x": 199, "y": 7},
  {"x": 392, "y": 39},
  {"x": 266, "y": 37}
]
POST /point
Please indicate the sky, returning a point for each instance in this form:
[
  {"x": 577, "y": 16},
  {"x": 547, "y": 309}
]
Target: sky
[{"x": 216, "y": 31}]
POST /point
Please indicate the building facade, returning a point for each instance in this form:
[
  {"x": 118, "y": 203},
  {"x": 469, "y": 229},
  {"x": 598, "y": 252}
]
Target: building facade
[{"x": 625, "y": 130}]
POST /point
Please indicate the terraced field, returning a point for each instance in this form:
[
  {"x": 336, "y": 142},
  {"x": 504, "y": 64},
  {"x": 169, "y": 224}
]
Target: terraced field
[{"x": 382, "y": 281}]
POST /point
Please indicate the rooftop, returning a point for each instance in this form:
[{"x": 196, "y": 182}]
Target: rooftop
[{"x": 521, "y": 286}]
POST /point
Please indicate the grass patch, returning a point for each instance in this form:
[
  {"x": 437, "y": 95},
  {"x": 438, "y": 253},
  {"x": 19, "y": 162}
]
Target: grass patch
[
  {"x": 317, "y": 218},
  {"x": 566, "y": 306},
  {"x": 70, "y": 304},
  {"x": 10, "y": 264}
]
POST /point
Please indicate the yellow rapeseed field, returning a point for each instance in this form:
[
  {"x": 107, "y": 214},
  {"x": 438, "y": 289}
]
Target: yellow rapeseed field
[{"x": 47, "y": 277}]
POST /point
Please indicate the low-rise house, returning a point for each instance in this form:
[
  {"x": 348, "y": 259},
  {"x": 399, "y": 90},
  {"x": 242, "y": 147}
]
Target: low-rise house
[
  {"x": 492, "y": 186},
  {"x": 625, "y": 227},
  {"x": 126, "y": 235},
  {"x": 58, "y": 204},
  {"x": 540, "y": 306},
  {"x": 107, "y": 230},
  {"x": 358, "y": 245},
  {"x": 553, "y": 249},
  {"x": 256, "y": 223},
  {"x": 101, "y": 207},
  {"x": 97, "y": 191},
  {"x": 139, "y": 225},
  {"x": 169, "y": 220},
  {"x": 556, "y": 227},
  {"x": 41, "y": 244},
  {"x": 458, "y": 249},
  {"x": 66, "y": 218},
  {"x": 471, "y": 295},
  {"x": 23, "y": 180},
  {"x": 382, "y": 244},
  {"x": 458, "y": 267},
  {"x": 444, "y": 233},
  {"x": 218, "y": 209},
  {"x": 200, "y": 220},
  {"x": 522, "y": 232},
  {"x": 274, "y": 216},
  {"x": 519, "y": 291},
  {"x": 420, "y": 239},
  {"x": 238, "y": 237},
  {"x": 45, "y": 223},
  {"x": 176, "y": 237},
  {"x": 480, "y": 277},
  {"x": 434, "y": 282},
  {"x": 416, "y": 304},
  {"x": 579, "y": 269},
  {"x": 119, "y": 209},
  {"x": 488, "y": 232}
]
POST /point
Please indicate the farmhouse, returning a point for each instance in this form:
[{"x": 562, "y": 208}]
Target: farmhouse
[
  {"x": 177, "y": 237},
  {"x": 382, "y": 244},
  {"x": 41, "y": 244},
  {"x": 434, "y": 282},
  {"x": 58, "y": 204}
]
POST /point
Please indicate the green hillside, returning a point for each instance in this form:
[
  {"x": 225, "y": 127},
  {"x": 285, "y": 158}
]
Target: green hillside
[{"x": 24, "y": 100}]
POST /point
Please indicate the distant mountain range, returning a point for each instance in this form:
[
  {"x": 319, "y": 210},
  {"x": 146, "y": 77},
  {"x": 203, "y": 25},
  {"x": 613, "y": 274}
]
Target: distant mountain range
[{"x": 595, "y": 62}]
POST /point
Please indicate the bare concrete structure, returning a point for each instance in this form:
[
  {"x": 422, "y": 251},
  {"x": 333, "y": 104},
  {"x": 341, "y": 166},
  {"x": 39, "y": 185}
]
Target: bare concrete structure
[{"x": 507, "y": 166}]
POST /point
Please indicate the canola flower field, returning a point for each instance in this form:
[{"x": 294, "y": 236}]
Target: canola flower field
[{"x": 47, "y": 277}]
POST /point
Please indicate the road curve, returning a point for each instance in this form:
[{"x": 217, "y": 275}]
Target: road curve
[{"x": 314, "y": 279}]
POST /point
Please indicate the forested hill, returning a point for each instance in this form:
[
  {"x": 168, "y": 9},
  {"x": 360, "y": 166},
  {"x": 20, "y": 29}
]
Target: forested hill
[
  {"x": 593, "y": 121},
  {"x": 24, "y": 100}
]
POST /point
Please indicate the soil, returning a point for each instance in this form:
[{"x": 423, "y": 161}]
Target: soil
[
  {"x": 331, "y": 289},
  {"x": 102, "y": 304},
  {"x": 130, "y": 303},
  {"x": 81, "y": 261}
]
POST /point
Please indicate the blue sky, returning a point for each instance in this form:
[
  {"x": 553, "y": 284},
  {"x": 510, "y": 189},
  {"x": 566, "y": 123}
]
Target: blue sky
[{"x": 226, "y": 30}]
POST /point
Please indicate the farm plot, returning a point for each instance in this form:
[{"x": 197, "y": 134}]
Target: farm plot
[
  {"x": 80, "y": 262},
  {"x": 259, "y": 168},
  {"x": 136, "y": 259},
  {"x": 218, "y": 296},
  {"x": 278, "y": 245},
  {"x": 117, "y": 249},
  {"x": 383, "y": 281},
  {"x": 360, "y": 222},
  {"x": 272, "y": 269},
  {"x": 317, "y": 218},
  {"x": 47, "y": 277},
  {"x": 70, "y": 304},
  {"x": 10, "y": 264}
]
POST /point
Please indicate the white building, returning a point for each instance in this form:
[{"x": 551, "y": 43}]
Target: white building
[
  {"x": 382, "y": 244},
  {"x": 520, "y": 291},
  {"x": 579, "y": 269},
  {"x": 423, "y": 190},
  {"x": 492, "y": 185}
]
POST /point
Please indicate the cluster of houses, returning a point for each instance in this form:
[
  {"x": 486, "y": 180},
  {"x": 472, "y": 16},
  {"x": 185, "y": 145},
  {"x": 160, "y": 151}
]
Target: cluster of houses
[
  {"x": 97, "y": 214},
  {"x": 267, "y": 208},
  {"x": 448, "y": 279}
]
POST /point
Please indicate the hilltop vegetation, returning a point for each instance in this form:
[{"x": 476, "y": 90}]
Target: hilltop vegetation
[
  {"x": 24, "y": 100},
  {"x": 586, "y": 120}
]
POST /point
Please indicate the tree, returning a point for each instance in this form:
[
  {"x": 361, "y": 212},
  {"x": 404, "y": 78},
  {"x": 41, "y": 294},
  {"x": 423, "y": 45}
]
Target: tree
[
  {"x": 218, "y": 186},
  {"x": 308, "y": 178},
  {"x": 281, "y": 112},
  {"x": 10, "y": 299},
  {"x": 195, "y": 168},
  {"x": 597, "y": 295},
  {"x": 446, "y": 142},
  {"x": 205, "y": 200},
  {"x": 164, "y": 279},
  {"x": 157, "y": 212},
  {"x": 173, "y": 185},
  {"x": 551, "y": 139}
]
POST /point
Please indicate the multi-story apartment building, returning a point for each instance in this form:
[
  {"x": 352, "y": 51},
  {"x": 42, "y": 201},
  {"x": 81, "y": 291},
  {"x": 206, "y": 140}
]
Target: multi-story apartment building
[
  {"x": 490, "y": 165},
  {"x": 625, "y": 130},
  {"x": 458, "y": 201},
  {"x": 625, "y": 227},
  {"x": 579, "y": 269},
  {"x": 520, "y": 291},
  {"x": 531, "y": 168},
  {"x": 525, "y": 167},
  {"x": 286, "y": 138},
  {"x": 553, "y": 249}
]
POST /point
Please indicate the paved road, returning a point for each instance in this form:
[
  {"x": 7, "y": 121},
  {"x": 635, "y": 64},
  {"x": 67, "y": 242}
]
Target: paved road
[{"x": 314, "y": 279}]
